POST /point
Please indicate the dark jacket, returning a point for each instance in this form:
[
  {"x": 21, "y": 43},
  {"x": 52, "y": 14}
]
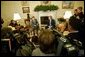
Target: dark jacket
[
  {"x": 77, "y": 35},
  {"x": 52, "y": 23},
  {"x": 81, "y": 16}
]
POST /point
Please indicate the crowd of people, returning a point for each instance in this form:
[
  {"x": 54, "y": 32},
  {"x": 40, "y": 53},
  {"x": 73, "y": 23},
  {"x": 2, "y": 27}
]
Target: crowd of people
[{"x": 45, "y": 42}]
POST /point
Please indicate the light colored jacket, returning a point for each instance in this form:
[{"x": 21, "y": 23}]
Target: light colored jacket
[{"x": 38, "y": 52}]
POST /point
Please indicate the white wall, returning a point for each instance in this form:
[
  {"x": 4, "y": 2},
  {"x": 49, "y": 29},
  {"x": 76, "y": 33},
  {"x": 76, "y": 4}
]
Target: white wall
[{"x": 8, "y": 8}]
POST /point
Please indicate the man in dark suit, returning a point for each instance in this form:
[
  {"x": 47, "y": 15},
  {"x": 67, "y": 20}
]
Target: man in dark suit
[
  {"x": 51, "y": 23},
  {"x": 74, "y": 27},
  {"x": 80, "y": 14}
]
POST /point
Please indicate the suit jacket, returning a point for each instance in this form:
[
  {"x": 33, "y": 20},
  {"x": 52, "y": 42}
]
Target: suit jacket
[
  {"x": 81, "y": 16},
  {"x": 34, "y": 23},
  {"x": 52, "y": 23}
]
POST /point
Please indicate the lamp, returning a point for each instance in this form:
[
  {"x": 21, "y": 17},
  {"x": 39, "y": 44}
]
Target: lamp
[
  {"x": 67, "y": 14},
  {"x": 16, "y": 16}
]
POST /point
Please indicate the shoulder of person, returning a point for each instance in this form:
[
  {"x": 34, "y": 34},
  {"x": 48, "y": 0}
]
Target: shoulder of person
[
  {"x": 53, "y": 19},
  {"x": 81, "y": 12},
  {"x": 36, "y": 52}
]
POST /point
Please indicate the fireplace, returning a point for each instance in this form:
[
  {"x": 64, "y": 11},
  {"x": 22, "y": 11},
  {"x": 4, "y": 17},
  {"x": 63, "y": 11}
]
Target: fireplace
[
  {"x": 44, "y": 20},
  {"x": 43, "y": 17}
]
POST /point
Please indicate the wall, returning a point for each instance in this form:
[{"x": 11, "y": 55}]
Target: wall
[
  {"x": 8, "y": 8},
  {"x": 60, "y": 11}
]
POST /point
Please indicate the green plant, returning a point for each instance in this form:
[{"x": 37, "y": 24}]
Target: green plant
[
  {"x": 53, "y": 7},
  {"x": 45, "y": 8}
]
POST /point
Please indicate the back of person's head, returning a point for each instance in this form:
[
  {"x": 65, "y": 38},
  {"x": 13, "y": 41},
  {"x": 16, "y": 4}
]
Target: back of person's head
[
  {"x": 11, "y": 21},
  {"x": 46, "y": 40},
  {"x": 35, "y": 40},
  {"x": 22, "y": 28},
  {"x": 75, "y": 11},
  {"x": 74, "y": 23},
  {"x": 60, "y": 20},
  {"x": 79, "y": 9},
  {"x": 21, "y": 38}
]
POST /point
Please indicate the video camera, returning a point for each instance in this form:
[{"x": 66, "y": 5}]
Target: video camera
[{"x": 65, "y": 47}]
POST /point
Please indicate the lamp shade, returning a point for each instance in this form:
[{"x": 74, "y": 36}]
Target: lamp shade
[
  {"x": 67, "y": 14},
  {"x": 17, "y": 16}
]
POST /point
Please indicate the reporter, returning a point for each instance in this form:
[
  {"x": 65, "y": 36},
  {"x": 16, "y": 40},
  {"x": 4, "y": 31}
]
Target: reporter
[{"x": 46, "y": 41}]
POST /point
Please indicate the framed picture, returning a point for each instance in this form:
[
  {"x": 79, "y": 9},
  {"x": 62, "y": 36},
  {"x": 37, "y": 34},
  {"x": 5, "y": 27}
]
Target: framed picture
[
  {"x": 26, "y": 9},
  {"x": 45, "y": 2},
  {"x": 67, "y": 4}
]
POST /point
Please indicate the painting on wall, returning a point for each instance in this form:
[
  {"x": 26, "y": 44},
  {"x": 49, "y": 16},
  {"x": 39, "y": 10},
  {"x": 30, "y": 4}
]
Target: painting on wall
[
  {"x": 26, "y": 9},
  {"x": 67, "y": 4}
]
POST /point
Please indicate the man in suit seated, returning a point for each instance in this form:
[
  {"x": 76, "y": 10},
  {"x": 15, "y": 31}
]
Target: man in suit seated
[{"x": 51, "y": 23}]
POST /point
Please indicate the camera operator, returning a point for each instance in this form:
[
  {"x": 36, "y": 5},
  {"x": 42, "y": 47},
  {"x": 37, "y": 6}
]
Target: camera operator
[{"x": 74, "y": 27}]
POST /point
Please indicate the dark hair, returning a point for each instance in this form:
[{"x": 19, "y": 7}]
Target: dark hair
[
  {"x": 12, "y": 20},
  {"x": 75, "y": 23},
  {"x": 80, "y": 8},
  {"x": 35, "y": 40},
  {"x": 21, "y": 26},
  {"x": 75, "y": 10},
  {"x": 61, "y": 20}
]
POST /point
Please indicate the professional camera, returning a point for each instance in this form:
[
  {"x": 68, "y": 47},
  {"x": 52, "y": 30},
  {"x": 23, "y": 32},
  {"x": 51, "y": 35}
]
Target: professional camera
[{"x": 65, "y": 46}]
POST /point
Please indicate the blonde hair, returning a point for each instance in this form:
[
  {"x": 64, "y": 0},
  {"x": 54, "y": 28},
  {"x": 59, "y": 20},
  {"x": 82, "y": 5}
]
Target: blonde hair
[{"x": 46, "y": 37}]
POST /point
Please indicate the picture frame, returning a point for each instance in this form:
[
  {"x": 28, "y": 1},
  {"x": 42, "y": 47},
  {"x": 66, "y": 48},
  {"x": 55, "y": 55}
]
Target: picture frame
[
  {"x": 67, "y": 4},
  {"x": 26, "y": 9}
]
